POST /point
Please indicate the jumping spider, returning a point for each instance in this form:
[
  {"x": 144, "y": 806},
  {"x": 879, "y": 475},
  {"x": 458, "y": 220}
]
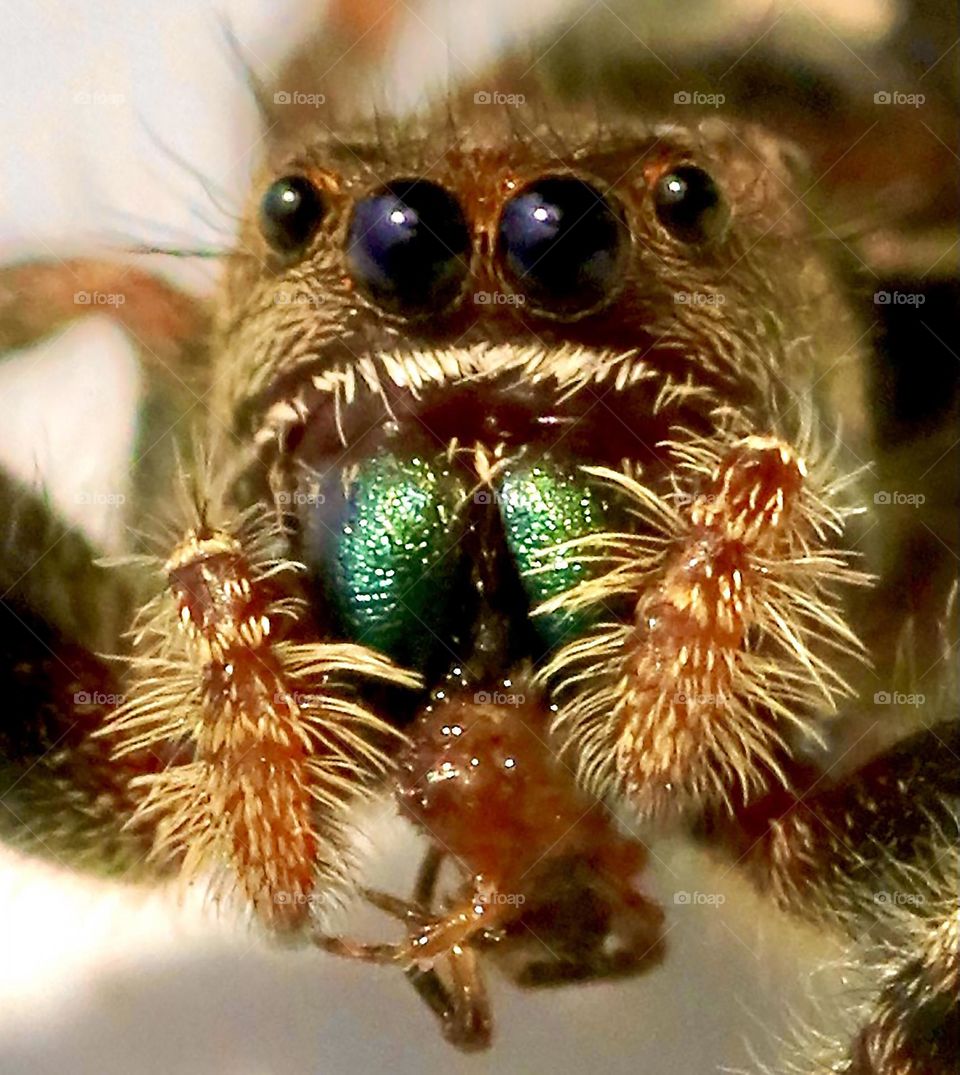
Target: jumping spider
[{"x": 522, "y": 497}]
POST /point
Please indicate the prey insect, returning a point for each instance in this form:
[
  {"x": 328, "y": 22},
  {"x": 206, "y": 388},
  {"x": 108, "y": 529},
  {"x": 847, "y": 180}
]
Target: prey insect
[{"x": 522, "y": 501}]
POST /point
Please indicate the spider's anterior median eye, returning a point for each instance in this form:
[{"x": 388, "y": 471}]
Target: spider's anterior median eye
[
  {"x": 689, "y": 205},
  {"x": 408, "y": 246},
  {"x": 561, "y": 241},
  {"x": 290, "y": 213}
]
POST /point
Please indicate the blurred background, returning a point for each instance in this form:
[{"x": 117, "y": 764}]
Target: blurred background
[{"x": 129, "y": 124}]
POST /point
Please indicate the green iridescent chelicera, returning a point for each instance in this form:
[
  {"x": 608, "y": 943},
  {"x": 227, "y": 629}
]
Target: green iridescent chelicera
[
  {"x": 543, "y": 505},
  {"x": 397, "y": 556}
]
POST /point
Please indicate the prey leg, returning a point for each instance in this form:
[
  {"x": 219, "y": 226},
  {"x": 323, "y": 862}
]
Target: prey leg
[{"x": 456, "y": 994}]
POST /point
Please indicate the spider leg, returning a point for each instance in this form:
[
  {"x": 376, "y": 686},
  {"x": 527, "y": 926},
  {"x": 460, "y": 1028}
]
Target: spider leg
[
  {"x": 392, "y": 905},
  {"x": 876, "y": 852},
  {"x": 167, "y": 327},
  {"x": 457, "y": 994},
  {"x": 280, "y": 745},
  {"x": 913, "y": 1024},
  {"x": 63, "y": 791},
  {"x": 61, "y": 794},
  {"x": 734, "y": 619},
  {"x": 584, "y": 919},
  {"x": 462, "y": 1006},
  {"x": 39, "y": 297},
  {"x": 427, "y": 877},
  {"x": 467, "y": 1024}
]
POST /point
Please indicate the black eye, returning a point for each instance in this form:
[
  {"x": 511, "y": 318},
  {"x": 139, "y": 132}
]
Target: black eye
[
  {"x": 408, "y": 246},
  {"x": 561, "y": 241},
  {"x": 689, "y": 205},
  {"x": 290, "y": 213}
]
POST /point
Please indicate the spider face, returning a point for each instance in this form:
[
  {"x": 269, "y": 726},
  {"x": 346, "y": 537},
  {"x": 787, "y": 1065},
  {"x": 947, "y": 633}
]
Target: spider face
[
  {"x": 534, "y": 244},
  {"x": 429, "y": 350}
]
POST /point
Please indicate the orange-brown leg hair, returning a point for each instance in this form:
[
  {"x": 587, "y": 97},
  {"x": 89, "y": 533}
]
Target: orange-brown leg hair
[
  {"x": 735, "y": 637},
  {"x": 278, "y": 743}
]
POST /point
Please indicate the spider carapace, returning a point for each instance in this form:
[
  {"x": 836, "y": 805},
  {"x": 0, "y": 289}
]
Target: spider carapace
[{"x": 522, "y": 499}]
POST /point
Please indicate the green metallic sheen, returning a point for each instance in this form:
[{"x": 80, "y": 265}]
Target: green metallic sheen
[
  {"x": 542, "y": 506},
  {"x": 398, "y": 555}
]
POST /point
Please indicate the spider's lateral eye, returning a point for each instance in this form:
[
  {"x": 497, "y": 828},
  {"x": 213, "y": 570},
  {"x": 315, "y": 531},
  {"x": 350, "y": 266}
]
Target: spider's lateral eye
[
  {"x": 561, "y": 241},
  {"x": 689, "y": 205},
  {"x": 290, "y": 213},
  {"x": 408, "y": 246}
]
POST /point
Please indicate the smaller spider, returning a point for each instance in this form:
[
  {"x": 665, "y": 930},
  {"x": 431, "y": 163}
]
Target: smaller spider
[{"x": 549, "y": 886}]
